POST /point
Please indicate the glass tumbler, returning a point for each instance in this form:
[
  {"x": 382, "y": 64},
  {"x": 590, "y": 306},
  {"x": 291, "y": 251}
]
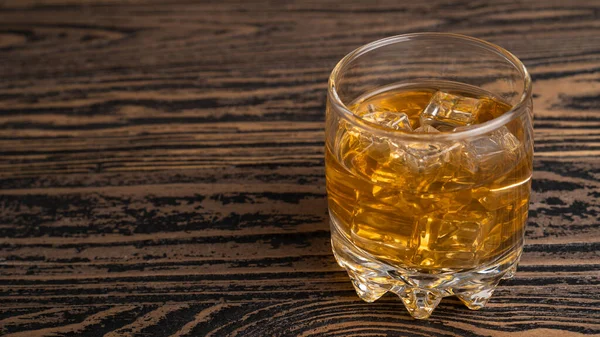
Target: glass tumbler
[{"x": 453, "y": 223}]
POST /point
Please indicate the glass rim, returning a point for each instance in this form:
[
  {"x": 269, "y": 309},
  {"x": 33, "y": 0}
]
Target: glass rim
[{"x": 478, "y": 129}]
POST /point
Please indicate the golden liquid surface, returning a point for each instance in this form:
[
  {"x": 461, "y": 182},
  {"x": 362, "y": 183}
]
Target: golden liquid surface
[{"x": 432, "y": 206}]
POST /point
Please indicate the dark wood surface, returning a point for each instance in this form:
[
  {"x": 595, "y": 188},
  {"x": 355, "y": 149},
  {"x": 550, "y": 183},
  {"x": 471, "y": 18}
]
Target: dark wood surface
[{"x": 161, "y": 168}]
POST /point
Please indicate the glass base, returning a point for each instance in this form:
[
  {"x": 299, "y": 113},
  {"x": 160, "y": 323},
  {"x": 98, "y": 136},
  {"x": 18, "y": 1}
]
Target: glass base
[{"x": 420, "y": 292}]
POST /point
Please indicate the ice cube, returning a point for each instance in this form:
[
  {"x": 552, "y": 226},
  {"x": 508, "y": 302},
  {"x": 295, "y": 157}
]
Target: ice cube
[
  {"x": 461, "y": 231},
  {"x": 380, "y": 223},
  {"x": 405, "y": 201},
  {"x": 425, "y": 157},
  {"x": 364, "y": 153},
  {"x": 491, "y": 155},
  {"x": 446, "y": 111},
  {"x": 424, "y": 165},
  {"x": 452, "y": 239},
  {"x": 388, "y": 119},
  {"x": 426, "y": 128}
]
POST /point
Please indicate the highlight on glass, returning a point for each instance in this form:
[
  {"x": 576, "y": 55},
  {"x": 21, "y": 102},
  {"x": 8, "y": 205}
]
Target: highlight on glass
[{"x": 429, "y": 150}]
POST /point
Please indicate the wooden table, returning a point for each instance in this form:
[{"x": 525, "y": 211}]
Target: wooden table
[{"x": 161, "y": 168}]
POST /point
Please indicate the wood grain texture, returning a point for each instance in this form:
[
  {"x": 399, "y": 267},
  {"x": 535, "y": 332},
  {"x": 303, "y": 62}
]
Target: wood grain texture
[{"x": 161, "y": 168}]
